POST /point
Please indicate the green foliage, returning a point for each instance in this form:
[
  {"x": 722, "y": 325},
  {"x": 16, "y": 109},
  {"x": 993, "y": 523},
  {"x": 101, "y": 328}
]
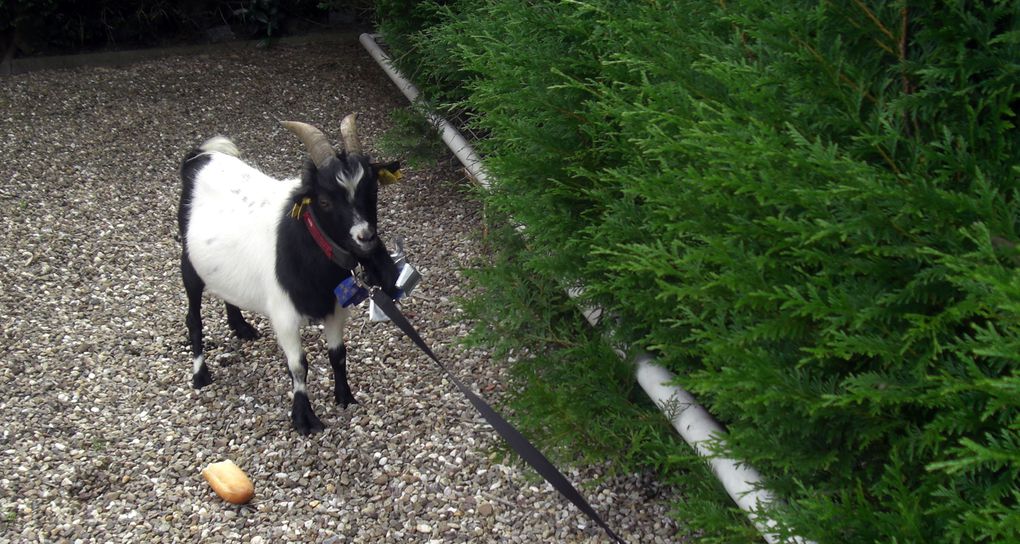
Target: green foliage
[
  {"x": 575, "y": 395},
  {"x": 266, "y": 16},
  {"x": 401, "y": 24},
  {"x": 809, "y": 211},
  {"x": 14, "y": 14},
  {"x": 351, "y": 5},
  {"x": 411, "y": 137},
  {"x": 62, "y": 25}
]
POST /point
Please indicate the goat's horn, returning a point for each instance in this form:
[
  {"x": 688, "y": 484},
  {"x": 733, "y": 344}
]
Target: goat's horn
[
  {"x": 313, "y": 138},
  {"x": 349, "y": 133}
]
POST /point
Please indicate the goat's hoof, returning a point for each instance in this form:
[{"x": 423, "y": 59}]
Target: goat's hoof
[
  {"x": 304, "y": 419},
  {"x": 246, "y": 332},
  {"x": 306, "y": 425},
  {"x": 201, "y": 378},
  {"x": 346, "y": 400}
]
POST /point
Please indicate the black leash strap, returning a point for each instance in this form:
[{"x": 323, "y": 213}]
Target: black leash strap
[{"x": 517, "y": 441}]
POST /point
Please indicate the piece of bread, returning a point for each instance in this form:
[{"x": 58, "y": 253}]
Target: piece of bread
[{"x": 229, "y": 482}]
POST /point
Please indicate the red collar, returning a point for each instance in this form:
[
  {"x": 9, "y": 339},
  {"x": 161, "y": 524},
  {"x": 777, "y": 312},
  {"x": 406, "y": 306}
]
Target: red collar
[{"x": 333, "y": 251}]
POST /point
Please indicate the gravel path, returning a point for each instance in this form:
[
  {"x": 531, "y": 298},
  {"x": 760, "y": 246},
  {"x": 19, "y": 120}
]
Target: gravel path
[{"x": 103, "y": 438}]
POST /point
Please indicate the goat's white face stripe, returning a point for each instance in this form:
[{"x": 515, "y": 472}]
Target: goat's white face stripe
[
  {"x": 360, "y": 229},
  {"x": 350, "y": 180}
]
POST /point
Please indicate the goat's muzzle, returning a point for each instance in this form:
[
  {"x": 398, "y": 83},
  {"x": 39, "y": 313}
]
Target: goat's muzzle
[{"x": 364, "y": 237}]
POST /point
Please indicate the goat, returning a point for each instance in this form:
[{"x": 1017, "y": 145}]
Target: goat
[{"x": 279, "y": 247}]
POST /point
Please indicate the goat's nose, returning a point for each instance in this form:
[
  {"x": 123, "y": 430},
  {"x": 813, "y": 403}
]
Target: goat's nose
[{"x": 363, "y": 234}]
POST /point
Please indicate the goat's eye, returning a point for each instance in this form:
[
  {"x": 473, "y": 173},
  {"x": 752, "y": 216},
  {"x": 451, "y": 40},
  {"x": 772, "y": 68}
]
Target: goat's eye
[{"x": 325, "y": 204}]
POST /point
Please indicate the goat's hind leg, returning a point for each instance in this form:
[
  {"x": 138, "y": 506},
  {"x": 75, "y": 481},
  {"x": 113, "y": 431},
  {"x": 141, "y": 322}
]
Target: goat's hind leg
[
  {"x": 237, "y": 323},
  {"x": 334, "y": 327},
  {"x": 288, "y": 335},
  {"x": 193, "y": 286}
]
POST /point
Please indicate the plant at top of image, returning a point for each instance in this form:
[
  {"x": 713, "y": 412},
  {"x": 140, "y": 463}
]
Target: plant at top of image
[
  {"x": 41, "y": 26},
  {"x": 63, "y": 26},
  {"x": 435, "y": 71},
  {"x": 358, "y": 9},
  {"x": 266, "y": 16},
  {"x": 15, "y": 14},
  {"x": 412, "y": 137}
]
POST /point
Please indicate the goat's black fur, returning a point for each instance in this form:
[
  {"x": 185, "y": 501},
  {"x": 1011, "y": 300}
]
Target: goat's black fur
[{"x": 301, "y": 270}]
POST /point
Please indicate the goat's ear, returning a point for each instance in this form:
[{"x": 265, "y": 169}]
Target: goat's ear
[{"x": 387, "y": 173}]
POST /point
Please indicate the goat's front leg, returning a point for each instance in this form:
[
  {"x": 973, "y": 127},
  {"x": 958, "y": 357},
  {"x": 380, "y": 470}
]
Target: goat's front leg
[
  {"x": 288, "y": 334},
  {"x": 334, "y": 326}
]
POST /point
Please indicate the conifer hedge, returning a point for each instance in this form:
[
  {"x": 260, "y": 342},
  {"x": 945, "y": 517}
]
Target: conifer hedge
[{"x": 808, "y": 210}]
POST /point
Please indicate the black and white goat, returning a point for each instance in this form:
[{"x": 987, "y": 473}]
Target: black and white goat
[{"x": 258, "y": 244}]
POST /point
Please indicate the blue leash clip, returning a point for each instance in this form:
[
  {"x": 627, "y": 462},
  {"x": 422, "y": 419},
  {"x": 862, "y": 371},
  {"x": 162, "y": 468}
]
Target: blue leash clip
[{"x": 349, "y": 293}]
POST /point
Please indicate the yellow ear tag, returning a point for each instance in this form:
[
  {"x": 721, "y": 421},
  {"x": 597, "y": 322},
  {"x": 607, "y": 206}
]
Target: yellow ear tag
[
  {"x": 299, "y": 207},
  {"x": 388, "y": 178}
]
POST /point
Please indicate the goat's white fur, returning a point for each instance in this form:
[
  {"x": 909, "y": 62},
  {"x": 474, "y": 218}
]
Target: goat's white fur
[
  {"x": 221, "y": 144},
  {"x": 349, "y": 180},
  {"x": 334, "y": 325},
  {"x": 233, "y": 218}
]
